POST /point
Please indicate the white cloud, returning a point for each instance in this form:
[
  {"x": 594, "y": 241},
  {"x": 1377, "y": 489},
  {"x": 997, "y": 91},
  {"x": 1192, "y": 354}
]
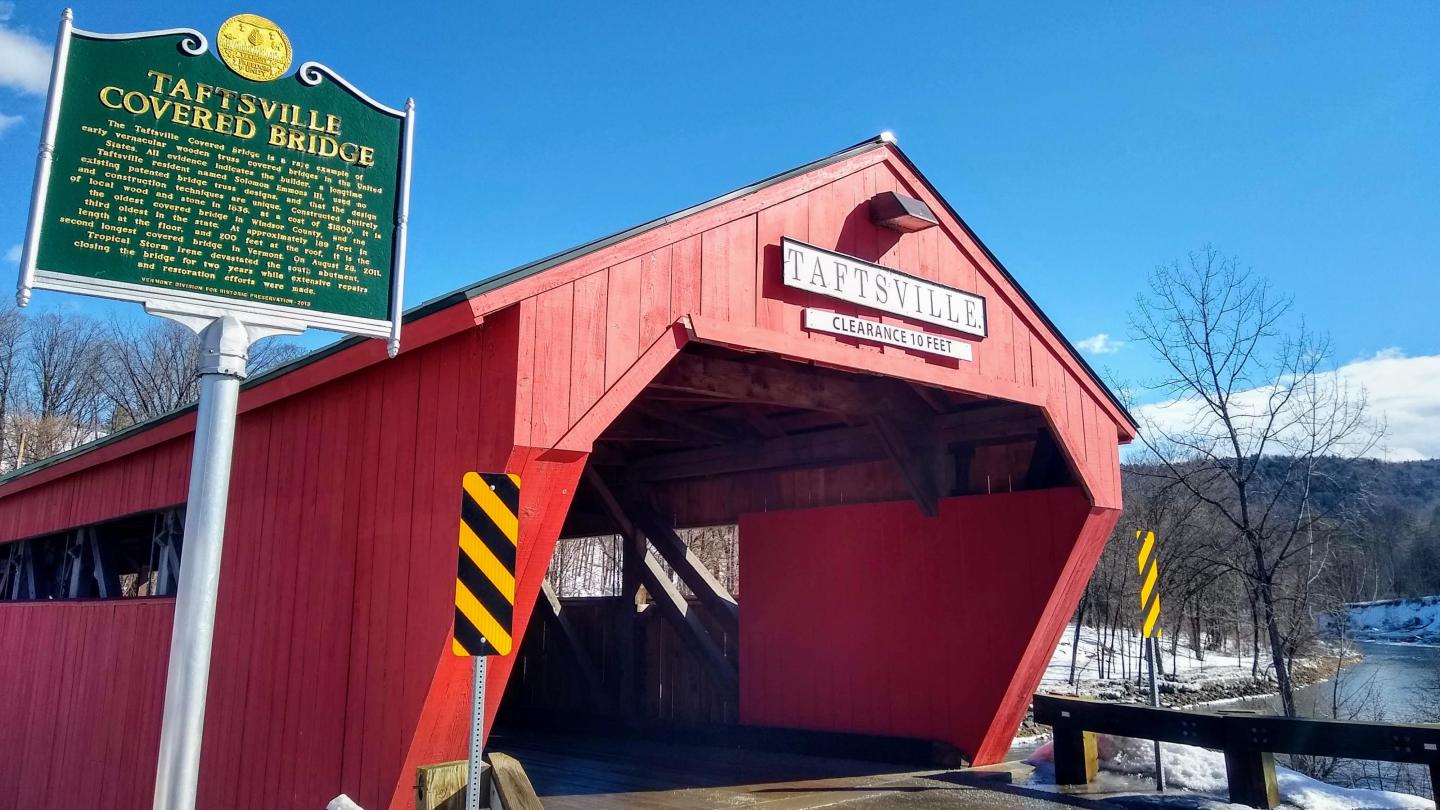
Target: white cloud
[
  {"x": 1403, "y": 393},
  {"x": 13, "y": 254},
  {"x": 24, "y": 60},
  {"x": 1100, "y": 344},
  {"x": 8, "y": 121}
]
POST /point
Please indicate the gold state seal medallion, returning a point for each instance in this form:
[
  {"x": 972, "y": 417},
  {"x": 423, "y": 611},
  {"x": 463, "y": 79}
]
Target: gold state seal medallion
[{"x": 254, "y": 47}]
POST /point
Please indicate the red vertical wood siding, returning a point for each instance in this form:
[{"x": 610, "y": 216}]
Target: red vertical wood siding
[
  {"x": 82, "y": 708},
  {"x": 872, "y": 618},
  {"x": 335, "y": 606}
]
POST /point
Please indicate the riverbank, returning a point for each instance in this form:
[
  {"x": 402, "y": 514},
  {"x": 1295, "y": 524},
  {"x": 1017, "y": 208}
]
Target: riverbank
[
  {"x": 1188, "y": 680},
  {"x": 1403, "y": 621}
]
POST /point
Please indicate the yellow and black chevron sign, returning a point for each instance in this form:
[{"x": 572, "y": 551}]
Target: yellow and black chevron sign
[
  {"x": 485, "y": 579},
  {"x": 1148, "y": 561}
]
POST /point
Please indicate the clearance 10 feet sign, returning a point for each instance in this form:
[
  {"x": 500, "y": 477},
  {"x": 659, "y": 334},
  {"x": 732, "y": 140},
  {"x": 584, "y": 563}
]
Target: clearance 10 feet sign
[{"x": 175, "y": 178}]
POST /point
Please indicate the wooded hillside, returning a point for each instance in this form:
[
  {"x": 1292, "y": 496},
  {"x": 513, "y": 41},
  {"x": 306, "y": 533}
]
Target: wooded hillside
[{"x": 1375, "y": 535}]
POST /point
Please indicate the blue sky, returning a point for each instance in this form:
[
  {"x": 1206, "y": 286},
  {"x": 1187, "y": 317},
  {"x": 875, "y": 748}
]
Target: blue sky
[{"x": 1085, "y": 145}]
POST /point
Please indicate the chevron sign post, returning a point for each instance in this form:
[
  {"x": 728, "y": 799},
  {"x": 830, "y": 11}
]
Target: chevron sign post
[
  {"x": 485, "y": 592},
  {"x": 1148, "y": 563}
]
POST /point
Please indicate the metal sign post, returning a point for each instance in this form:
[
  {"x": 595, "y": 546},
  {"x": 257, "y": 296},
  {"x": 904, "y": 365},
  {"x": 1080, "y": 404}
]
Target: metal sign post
[
  {"x": 1148, "y": 562},
  {"x": 477, "y": 735},
  {"x": 1155, "y": 701},
  {"x": 224, "y": 351}
]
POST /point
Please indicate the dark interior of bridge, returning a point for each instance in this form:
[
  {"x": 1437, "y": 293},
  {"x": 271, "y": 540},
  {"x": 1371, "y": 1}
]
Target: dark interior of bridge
[{"x": 717, "y": 434}]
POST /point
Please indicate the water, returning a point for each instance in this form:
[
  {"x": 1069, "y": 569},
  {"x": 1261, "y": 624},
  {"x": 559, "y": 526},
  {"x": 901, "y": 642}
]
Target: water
[{"x": 1395, "y": 683}]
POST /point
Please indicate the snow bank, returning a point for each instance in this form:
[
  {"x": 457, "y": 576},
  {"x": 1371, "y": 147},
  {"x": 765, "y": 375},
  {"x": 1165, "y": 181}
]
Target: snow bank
[
  {"x": 1216, "y": 675},
  {"x": 343, "y": 802},
  {"x": 1128, "y": 766},
  {"x": 1404, "y": 620}
]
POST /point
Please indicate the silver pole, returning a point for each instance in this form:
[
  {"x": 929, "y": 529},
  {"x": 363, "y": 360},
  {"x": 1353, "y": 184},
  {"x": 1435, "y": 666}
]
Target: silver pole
[
  {"x": 41, "y": 187},
  {"x": 1155, "y": 701},
  {"x": 225, "y": 345},
  {"x": 477, "y": 735}
]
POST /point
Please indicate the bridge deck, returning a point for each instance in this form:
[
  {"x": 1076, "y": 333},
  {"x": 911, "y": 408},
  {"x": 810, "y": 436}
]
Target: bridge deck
[{"x": 573, "y": 772}]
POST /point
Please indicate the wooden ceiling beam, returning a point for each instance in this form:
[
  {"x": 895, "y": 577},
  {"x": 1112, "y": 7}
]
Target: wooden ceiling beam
[
  {"x": 806, "y": 420},
  {"x": 699, "y": 424},
  {"x": 819, "y": 449},
  {"x": 914, "y": 464},
  {"x": 1007, "y": 421},
  {"x": 760, "y": 423},
  {"x": 847, "y": 445},
  {"x": 635, "y": 427},
  {"x": 932, "y": 397},
  {"x": 789, "y": 387}
]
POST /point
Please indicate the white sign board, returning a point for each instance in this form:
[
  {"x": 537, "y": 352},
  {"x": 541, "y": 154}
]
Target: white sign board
[
  {"x": 820, "y": 320},
  {"x": 870, "y": 285}
]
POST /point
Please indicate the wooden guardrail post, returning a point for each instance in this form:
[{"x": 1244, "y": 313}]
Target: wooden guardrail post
[
  {"x": 1250, "y": 775},
  {"x": 1077, "y": 757},
  {"x": 1249, "y": 763}
]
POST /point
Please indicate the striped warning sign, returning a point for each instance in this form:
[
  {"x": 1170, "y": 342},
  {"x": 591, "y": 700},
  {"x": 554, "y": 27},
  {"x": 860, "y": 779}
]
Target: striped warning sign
[
  {"x": 485, "y": 577},
  {"x": 1148, "y": 561}
]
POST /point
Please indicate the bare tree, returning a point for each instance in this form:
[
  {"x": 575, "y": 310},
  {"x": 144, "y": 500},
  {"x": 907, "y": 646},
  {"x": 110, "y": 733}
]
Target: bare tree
[
  {"x": 1252, "y": 412},
  {"x": 152, "y": 367},
  {"x": 66, "y": 378},
  {"x": 12, "y": 335},
  {"x": 59, "y": 365}
]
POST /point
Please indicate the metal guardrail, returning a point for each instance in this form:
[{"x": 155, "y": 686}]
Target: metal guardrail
[{"x": 1249, "y": 741}]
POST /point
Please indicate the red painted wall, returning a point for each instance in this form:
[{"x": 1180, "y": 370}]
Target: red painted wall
[
  {"x": 81, "y": 702},
  {"x": 336, "y": 599},
  {"x": 873, "y": 618}
]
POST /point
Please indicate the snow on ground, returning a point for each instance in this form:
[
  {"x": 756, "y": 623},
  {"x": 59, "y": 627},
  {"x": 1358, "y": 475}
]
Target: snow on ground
[
  {"x": 342, "y": 802},
  {"x": 1087, "y": 665},
  {"x": 1128, "y": 766},
  {"x": 1184, "y": 672},
  {"x": 1403, "y": 620}
]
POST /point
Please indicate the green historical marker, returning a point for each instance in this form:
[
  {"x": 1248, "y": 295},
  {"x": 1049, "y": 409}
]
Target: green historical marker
[
  {"x": 235, "y": 199},
  {"x": 176, "y": 178}
]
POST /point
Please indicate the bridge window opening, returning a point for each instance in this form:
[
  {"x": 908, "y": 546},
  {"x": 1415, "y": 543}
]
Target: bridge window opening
[
  {"x": 592, "y": 566},
  {"x": 132, "y": 557}
]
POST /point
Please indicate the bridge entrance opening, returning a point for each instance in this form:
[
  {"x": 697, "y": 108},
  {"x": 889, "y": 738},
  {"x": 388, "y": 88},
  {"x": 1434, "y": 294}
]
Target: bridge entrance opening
[{"x": 769, "y": 553}]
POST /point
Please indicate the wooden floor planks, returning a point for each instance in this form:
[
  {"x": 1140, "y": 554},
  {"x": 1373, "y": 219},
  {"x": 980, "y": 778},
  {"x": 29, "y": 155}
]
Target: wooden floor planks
[{"x": 576, "y": 772}]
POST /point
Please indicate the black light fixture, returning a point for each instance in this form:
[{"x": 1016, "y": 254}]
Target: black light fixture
[{"x": 898, "y": 212}]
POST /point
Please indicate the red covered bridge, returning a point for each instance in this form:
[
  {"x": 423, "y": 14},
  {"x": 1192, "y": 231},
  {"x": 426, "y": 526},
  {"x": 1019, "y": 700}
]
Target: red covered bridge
[{"x": 916, "y": 521}]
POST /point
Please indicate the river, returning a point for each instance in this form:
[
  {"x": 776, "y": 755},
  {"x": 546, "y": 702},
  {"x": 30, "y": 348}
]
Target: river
[{"x": 1395, "y": 683}]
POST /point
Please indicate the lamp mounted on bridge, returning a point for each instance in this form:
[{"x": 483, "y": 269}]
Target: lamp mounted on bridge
[{"x": 898, "y": 212}]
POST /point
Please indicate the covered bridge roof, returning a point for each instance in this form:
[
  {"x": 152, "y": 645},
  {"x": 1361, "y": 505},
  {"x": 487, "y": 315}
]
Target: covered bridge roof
[{"x": 428, "y": 310}]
